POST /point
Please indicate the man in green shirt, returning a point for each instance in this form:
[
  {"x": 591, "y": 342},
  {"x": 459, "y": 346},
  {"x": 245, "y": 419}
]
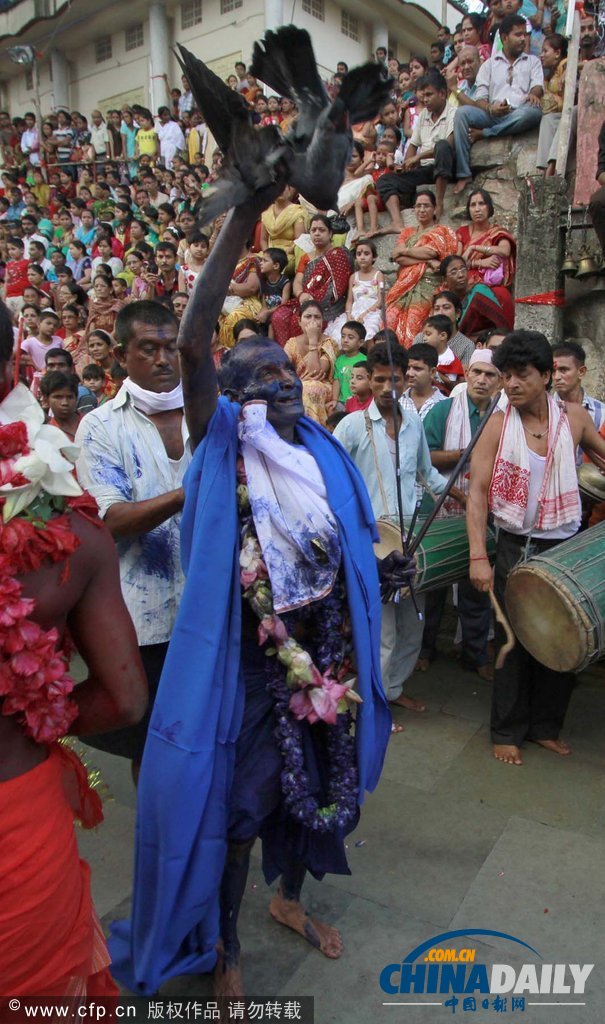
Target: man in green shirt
[{"x": 449, "y": 426}]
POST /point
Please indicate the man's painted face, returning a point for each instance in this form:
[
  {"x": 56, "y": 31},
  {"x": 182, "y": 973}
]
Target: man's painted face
[{"x": 271, "y": 379}]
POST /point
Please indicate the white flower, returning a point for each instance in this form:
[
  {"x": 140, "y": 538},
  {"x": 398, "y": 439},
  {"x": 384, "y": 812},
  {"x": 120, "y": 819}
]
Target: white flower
[{"x": 48, "y": 465}]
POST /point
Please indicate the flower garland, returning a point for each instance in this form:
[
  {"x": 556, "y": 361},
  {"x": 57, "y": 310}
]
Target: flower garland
[
  {"x": 35, "y": 481},
  {"x": 304, "y": 687}
]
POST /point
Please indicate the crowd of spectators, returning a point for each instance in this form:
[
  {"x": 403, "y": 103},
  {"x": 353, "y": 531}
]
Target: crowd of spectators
[{"x": 97, "y": 213}]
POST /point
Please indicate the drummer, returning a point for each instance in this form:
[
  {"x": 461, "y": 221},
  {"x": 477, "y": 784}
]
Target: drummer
[
  {"x": 369, "y": 437},
  {"x": 449, "y": 427},
  {"x": 523, "y": 472}
]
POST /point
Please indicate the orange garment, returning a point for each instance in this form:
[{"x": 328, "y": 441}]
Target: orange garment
[
  {"x": 410, "y": 299},
  {"x": 51, "y": 942}
]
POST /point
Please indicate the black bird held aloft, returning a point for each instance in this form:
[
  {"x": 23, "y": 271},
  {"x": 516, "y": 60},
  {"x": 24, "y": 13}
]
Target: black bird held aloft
[
  {"x": 314, "y": 154},
  {"x": 321, "y": 138}
]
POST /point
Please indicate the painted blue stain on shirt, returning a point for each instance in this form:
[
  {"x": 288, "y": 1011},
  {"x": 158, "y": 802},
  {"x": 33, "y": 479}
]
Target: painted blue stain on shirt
[{"x": 157, "y": 553}]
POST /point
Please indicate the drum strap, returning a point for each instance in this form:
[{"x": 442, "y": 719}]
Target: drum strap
[{"x": 383, "y": 496}]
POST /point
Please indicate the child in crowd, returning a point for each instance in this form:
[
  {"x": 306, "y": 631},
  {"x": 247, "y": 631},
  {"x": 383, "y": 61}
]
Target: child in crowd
[
  {"x": 30, "y": 315},
  {"x": 364, "y": 295},
  {"x": 198, "y": 248},
  {"x": 275, "y": 285},
  {"x": 381, "y": 161},
  {"x": 60, "y": 390},
  {"x": 357, "y": 180},
  {"x": 420, "y": 375},
  {"x": 388, "y": 118},
  {"x": 352, "y": 337},
  {"x": 15, "y": 279},
  {"x": 79, "y": 263},
  {"x": 35, "y": 347},
  {"x": 93, "y": 378},
  {"x": 36, "y": 278},
  {"x": 361, "y": 392},
  {"x": 437, "y": 333}
]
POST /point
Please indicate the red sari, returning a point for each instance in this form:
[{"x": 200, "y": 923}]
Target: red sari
[
  {"x": 326, "y": 279},
  {"x": 492, "y": 236}
]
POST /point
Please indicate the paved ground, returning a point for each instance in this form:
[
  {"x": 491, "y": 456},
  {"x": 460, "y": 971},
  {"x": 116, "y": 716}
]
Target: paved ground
[{"x": 450, "y": 840}]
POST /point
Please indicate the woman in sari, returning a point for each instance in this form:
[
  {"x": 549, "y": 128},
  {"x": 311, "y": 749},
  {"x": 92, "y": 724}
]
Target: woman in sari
[
  {"x": 489, "y": 250},
  {"x": 322, "y": 277},
  {"x": 313, "y": 356},
  {"x": 242, "y": 299},
  {"x": 282, "y": 224},
  {"x": 482, "y": 307},
  {"x": 418, "y": 253},
  {"x": 73, "y": 338}
]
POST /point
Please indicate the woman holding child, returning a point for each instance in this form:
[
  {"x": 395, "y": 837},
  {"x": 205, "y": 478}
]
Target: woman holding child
[
  {"x": 321, "y": 276},
  {"x": 489, "y": 250},
  {"x": 418, "y": 253}
]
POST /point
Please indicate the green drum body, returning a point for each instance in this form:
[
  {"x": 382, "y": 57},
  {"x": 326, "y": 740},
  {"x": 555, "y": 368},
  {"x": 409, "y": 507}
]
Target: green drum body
[
  {"x": 556, "y": 602},
  {"x": 443, "y": 556}
]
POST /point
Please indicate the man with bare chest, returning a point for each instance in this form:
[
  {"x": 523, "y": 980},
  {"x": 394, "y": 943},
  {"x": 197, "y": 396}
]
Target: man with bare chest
[
  {"x": 134, "y": 454},
  {"x": 59, "y": 583},
  {"x": 523, "y": 472}
]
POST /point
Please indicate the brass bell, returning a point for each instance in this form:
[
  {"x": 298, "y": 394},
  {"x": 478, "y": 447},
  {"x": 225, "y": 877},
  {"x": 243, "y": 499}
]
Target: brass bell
[
  {"x": 569, "y": 266},
  {"x": 587, "y": 265}
]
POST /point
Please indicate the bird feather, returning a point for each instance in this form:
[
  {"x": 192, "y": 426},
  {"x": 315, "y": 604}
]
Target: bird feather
[
  {"x": 364, "y": 91},
  {"x": 223, "y": 108}
]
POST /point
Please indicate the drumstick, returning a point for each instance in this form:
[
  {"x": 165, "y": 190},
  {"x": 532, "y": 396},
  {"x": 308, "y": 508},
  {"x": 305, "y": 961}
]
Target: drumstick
[
  {"x": 454, "y": 475},
  {"x": 506, "y": 626}
]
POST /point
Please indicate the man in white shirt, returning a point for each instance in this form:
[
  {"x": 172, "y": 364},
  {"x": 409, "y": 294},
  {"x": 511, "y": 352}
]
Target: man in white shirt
[
  {"x": 369, "y": 438},
  {"x": 134, "y": 453},
  {"x": 508, "y": 96},
  {"x": 429, "y": 156},
  {"x": 170, "y": 135}
]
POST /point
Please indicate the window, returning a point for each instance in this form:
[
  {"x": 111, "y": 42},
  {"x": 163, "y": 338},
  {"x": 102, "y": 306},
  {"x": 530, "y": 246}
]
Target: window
[
  {"x": 349, "y": 26},
  {"x": 29, "y": 78},
  {"x": 103, "y": 49},
  {"x": 191, "y": 13},
  {"x": 133, "y": 37},
  {"x": 315, "y": 8},
  {"x": 230, "y": 5}
]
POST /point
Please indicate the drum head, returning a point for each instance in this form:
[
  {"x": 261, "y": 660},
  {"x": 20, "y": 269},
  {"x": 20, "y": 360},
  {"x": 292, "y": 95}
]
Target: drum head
[
  {"x": 390, "y": 539},
  {"x": 545, "y": 621}
]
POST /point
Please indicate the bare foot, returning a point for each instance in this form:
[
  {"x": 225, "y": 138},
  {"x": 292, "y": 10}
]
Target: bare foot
[
  {"x": 396, "y": 727},
  {"x": 322, "y": 936},
  {"x": 557, "y": 746},
  {"x": 422, "y": 665},
  {"x": 461, "y": 185},
  {"x": 439, "y": 211},
  {"x": 507, "y": 754},
  {"x": 390, "y": 229},
  {"x": 409, "y": 703},
  {"x": 475, "y": 134},
  {"x": 485, "y": 672},
  {"x": 228, "y": 981}
]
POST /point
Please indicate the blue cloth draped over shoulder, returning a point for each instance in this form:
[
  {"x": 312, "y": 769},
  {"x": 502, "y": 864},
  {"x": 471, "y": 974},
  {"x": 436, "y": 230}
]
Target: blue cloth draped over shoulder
[{"x": 187, "y": 768}]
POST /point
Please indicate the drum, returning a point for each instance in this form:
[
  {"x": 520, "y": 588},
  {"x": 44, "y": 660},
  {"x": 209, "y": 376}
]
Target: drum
[
  {"x": 442, "y": 557},
  {"x": 556, "y": 602}
]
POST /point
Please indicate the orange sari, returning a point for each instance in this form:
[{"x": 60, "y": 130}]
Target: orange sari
[
  {"x": 51, "y": 943},
  {"x": 409, "y": 300}
]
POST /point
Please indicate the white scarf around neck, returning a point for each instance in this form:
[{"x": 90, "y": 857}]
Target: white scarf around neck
[
  {"x": 151, "y": 402},
  {"x": 295, "y": 526}
]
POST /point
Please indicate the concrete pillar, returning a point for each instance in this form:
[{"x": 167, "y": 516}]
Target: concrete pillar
[
  {"x": 274, "y": 13},
  {"x": 60, "y": 74},
  {"x": 380, "y": 35},
  {"x": 159, "y": 53},
  {"x": 540, "y": 254}
]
